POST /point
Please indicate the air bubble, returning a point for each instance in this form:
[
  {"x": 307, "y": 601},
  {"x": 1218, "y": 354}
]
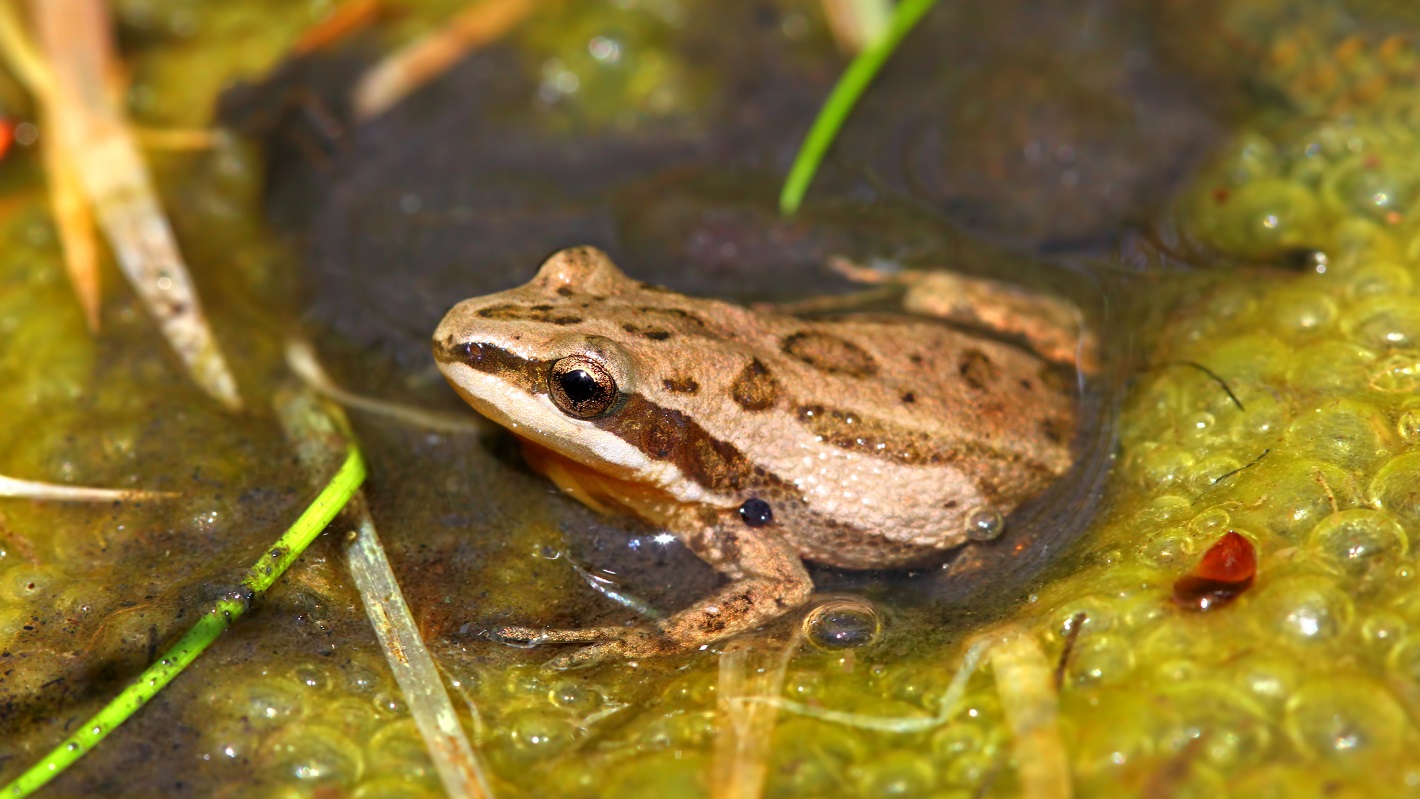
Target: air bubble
[
  {"x": 984, "y": 524},
  {"x": 843, "y": 623},
  {"x": 1355, "y": 541},
  {"x": 1345, "y": 718}
]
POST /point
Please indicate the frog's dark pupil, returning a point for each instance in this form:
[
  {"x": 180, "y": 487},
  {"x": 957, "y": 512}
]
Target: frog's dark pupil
[
  {"x": 579, "y": 386},
  {"x": 756, "y": 512}
]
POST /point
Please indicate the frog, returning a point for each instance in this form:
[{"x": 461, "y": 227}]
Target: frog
[{"x": 763, "y": 438}]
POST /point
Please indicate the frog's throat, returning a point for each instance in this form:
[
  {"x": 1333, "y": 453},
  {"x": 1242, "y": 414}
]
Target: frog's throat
[{"x": 602, "y": 492}]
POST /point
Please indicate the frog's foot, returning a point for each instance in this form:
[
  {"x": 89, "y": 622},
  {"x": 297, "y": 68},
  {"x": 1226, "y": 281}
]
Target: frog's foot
[{"x": 767, "y": 580}]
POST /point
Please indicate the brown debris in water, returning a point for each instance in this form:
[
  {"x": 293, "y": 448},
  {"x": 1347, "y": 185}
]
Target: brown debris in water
[{"x": 1225, "y": 572}]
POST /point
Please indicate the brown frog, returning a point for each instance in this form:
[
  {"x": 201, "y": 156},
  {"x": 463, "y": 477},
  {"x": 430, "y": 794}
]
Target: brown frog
[{"x": 762, "y": 439}]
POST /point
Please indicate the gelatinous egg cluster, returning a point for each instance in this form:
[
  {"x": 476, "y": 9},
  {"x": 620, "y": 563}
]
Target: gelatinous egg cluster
[{"x": 1278, "y": 409}]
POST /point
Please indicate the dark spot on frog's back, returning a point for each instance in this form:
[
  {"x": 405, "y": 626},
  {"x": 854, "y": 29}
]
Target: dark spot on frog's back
[
  {"x": 646, "y": 331},
  {"x": 755, "y": 388},
  {"x": 977, "y": 369},
  {"x": 684, "y": 321},
  {"x": 831, "y": 354},
  {"x": 681, "y": 385},
  {"x": 509, "y": 312},
  {"x": 1055, "y": 430},
  {"x": 1057, "y": 379}
]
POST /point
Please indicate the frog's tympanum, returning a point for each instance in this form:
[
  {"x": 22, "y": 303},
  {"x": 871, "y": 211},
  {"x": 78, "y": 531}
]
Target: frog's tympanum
[{"x": 759, "y": 439}]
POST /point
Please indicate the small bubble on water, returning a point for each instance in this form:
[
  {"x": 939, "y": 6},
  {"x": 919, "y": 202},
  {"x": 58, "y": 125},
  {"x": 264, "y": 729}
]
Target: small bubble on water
[{"x": 985, "y": 524}]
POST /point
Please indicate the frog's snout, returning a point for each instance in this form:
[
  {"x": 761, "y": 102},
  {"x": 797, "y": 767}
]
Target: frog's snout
[{"x": 452, "y": 339}]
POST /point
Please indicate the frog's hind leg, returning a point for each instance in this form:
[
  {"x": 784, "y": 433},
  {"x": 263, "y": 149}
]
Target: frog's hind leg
[
  {"x": 1053, "y": 328},
  {"x": 767, "y": 580}
]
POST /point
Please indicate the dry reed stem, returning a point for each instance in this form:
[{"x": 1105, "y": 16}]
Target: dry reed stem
[
  {"x": 751, "y": 668},
  {"x": 75, "y": 38},
  {"x": 60, "y": 492},
  {"x": 77, "y": 236},
  {"x": 1025, "y": 682},
  {"x": 411, "y": 67},
  {"x": 301, "y": 359}
]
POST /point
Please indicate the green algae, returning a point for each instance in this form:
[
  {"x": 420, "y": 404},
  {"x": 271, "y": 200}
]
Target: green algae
[{"x": 1308, "y": 680}]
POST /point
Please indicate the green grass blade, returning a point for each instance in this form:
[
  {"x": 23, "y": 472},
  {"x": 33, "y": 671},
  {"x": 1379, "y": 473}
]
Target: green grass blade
[
  {"x": 840, "y": 102},
  {"x": 261, "y": 576}
]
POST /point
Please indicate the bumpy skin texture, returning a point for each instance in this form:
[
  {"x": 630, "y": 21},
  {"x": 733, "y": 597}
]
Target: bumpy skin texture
[{"x": 874, "y": 442}]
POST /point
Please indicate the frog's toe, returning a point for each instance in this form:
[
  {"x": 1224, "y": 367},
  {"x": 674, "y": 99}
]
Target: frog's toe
[
  {"x": 628, "y": 645},
  {"x": 531, "y": 636},
  {"x": 586, "y": 656}
]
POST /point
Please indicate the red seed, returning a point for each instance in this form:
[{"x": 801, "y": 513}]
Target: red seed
[
  {"x": 1225, "y": 572},
  {"x": 7, "y": 135}
]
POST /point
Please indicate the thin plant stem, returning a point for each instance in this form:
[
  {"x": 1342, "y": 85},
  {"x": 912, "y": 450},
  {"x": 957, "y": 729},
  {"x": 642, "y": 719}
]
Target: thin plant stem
[
  {"x": 840, "y": 102},
  {"x": 260, "y": 577}
]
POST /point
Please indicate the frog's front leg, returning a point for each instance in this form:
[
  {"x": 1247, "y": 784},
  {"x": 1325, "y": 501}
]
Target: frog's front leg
[{"x": 767, "y": 580}]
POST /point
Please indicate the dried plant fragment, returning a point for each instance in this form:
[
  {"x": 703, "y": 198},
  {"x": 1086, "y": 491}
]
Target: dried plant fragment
[
  {"x": 750, "y": 667},
  {"x": 856, "y": 23},
  {"x": 320, "y": 434},
  {"x": 71, "y": 211},
  {"x": 77, "y": 236},
  {"x": 302, "y": 360},
  {"x": 1225, "y": 572},
  {"x": 1026, "y": 685},
  {"x": 406, "y": 70},
  {"x": 60, "y": 492},
  {"x": 88, "y": 125}
]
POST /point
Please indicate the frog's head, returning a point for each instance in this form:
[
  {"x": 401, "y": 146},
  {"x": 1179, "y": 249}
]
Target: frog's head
[{"x": 571, "y": 362}]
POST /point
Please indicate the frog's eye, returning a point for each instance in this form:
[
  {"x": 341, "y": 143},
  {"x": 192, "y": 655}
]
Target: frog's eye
[{"x": 581, "y": 387}]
